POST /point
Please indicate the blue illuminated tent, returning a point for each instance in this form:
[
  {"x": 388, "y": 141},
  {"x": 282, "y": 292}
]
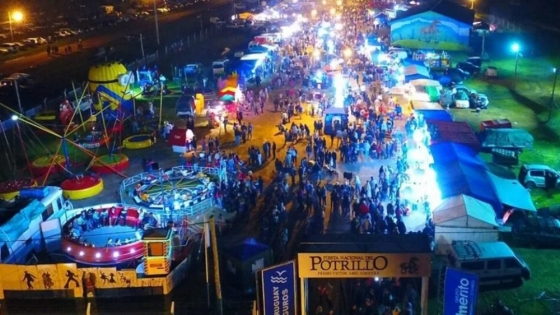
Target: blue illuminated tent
[
  {"x": 458, "y": 177},
  {"x": 449, "y": 152},
  {"x": 436, "y": 115}
]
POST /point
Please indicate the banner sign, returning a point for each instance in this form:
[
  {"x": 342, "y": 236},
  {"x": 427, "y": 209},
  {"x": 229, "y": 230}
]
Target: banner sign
[
  {"x": 332, "y": 265},
  {"x": 461, "y": 291},
  {"x": 279, "y": 289}
]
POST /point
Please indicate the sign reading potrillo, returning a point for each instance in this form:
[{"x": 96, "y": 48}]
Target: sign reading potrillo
[{"x": 345, "y": 265}]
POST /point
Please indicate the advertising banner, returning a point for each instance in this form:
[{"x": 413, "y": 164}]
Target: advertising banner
[
  {"x": 344, "y": 265},
  {"x": 279, "y": 289},
  {"x": 461, "y": 291}
]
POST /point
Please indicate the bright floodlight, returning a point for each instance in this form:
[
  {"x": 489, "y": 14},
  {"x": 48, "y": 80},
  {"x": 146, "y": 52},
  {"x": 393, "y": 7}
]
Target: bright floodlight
[
  {"x": 15, "y": 117},
  {"x": 17, "y": 16},
  {"x": 348, "y": 53},
  {"x": 515, "y": 48}
]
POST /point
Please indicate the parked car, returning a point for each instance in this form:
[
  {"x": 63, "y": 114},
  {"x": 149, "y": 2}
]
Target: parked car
[
  {"x": 13, "y": 48},
  {"x": 4, "y": 51},
  {"x": 35, "y": 41},
  {"x": 537, "y": 231},
  {"x": 20, "y": 45},
  {"x": 494, "y": 262},
  {"x": 62, "y": 34},
  {"x": 479, "y": 100},
  {"x": 536, "y": 175},
  {"x": 457, "y": 75},
  {"x": 23, "y": 80},
  {"x": 468, "y": 67}
]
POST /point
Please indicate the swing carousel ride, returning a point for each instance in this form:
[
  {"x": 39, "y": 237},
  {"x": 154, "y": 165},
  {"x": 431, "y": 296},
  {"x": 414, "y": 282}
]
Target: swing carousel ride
[{"x": 91, "y": 123}]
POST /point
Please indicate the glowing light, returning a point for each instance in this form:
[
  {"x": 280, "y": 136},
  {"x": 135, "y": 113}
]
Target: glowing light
[
  {"x": 116, "y": 254},
  {"x": 339, "y": 3},
  {"x": 313, "y": 13},
  {"x": 132, "y": 250},
  {"x": 348, "y": 53},
  {"x": 69, "y": 249},
  {"x": 15, "y": 117},
  {"x": 333, "y": 11},
  {"x": 82, "y": 254},
  {"x": 515, "y": 47},
  {"x": 339, "y": 83},
  {"x": 338, "y": 26},
  {"x": 98, "y": 255},
  {"x": 16, "y": 16},
  {"x": 317, "y": 54}
]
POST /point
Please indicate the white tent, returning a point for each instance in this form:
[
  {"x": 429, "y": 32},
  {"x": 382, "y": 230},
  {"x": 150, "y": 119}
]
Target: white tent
[
  {"x": 464, "y": 218},
  {"x": 426, "y": 82}
]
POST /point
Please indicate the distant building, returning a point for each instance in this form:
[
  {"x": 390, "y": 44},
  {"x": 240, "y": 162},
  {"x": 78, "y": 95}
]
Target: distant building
[{"x": 443, "y": 25}]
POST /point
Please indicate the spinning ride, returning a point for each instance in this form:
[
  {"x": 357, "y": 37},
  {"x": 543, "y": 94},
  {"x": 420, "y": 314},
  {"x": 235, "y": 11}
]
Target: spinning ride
[
  {"x": 112, "y": 236},
  {"x": 183, "y": 189}
]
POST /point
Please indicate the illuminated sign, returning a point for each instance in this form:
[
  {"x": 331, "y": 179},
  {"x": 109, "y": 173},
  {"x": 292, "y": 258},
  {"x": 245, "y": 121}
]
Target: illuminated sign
[{"x": 333, "y": 265}]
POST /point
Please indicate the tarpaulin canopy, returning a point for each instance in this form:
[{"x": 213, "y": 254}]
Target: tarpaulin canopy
[
  {"x": 465, "y": 211},
  {"x": 507, "y": 138},
  {"x": 414, "y": 72},
  {"x": 450, "y": 131},
  {"x": 425, "y": 83},
  {"x": 458, "y": 178},
  {"x": 449, "y": 152},
  {"x": 512, "y": 193},
  {"x": 435, "y": 115}
]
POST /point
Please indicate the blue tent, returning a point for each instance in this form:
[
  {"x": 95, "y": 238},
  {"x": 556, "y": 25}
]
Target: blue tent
[
  {"x": 456, "y": 178},
  {"x": 249, "y": 248},
  {"x": 242, "y": 260},
  {"x": 415, "y": 72},
  {"x": 437, "y": 115},
  {"x": 449, "y": 152}
]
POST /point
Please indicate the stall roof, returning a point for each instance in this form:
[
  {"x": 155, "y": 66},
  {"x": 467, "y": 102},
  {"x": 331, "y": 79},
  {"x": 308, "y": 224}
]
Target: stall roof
[
  {"x": 507, "y": 138},
  {"x": 454, "y": 131},
  {"x": 438, "y": 115},
  {"x": 425, "y": 82},
  {"x": 444, "y": 7},
  {"x": 414, "y": 72},
  {"x": 473, "y": 180},
  {"x": 449, "y": 152},
  {"x": 424, "y": 105},
  {"x": 464, "y": 206},
  {"x": 366, "y": 243},
  {"x": 512, "y": 193},
  {"x": 255, "y": 56}
]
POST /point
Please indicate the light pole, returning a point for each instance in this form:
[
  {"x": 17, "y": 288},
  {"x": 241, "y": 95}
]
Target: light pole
[
  {"x": 157, "y": 22},
  {"x": 15, "y": 16},
  {"x": 515, "y": 48},
  {"x": 552, "y": 94}
]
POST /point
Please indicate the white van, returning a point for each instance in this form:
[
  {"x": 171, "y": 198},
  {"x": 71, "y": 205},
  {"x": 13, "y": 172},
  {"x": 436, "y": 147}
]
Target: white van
[
  {"x": 494, "y": 262},
  {"x": 219, "y": 66}
]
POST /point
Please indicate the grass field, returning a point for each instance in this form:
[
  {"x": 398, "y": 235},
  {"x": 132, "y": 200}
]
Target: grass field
[{"x": 525, "y": 101}]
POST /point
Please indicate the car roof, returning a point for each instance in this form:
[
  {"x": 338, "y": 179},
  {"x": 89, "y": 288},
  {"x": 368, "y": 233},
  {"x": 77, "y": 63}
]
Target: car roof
[
  {"x": 467, "y": 250},
  {"x": 17, "y": 75},
  {"x": 536, "y": 167}
]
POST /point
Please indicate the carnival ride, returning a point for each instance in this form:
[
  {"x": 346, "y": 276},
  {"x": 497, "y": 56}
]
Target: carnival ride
[
  {"x": 98, "y": 127},
  {"x": 182, "y": 190}
]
